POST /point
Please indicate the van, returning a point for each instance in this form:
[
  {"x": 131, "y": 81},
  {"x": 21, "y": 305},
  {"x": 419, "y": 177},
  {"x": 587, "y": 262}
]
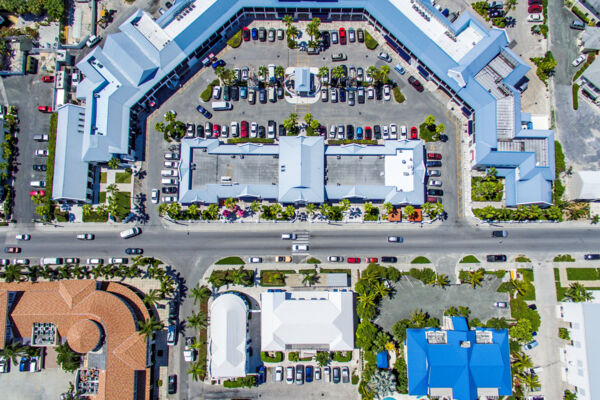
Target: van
[
  {"x": 271, "y": 69},
  {"x": 272, "y": 96},
  {"x": 38, "y": 183},
  {"x": 129, "y": 233},
  {"x": 40, "y": 138},
  {"x": 51, "y": 261},
  {"x": 168, "y": 181},
  {"x": 221, "y": 105}
]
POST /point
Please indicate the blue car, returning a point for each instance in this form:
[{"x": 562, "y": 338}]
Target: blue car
[
  {"x": 342, "y": 95},
  {"x": 204, "y": 112},
  {"x": 308, "y": 373},
  {"x": 359, "y": 133},
  {"x": 219, "y": 63},
  {"x": 254, "y": 34},
  {"x": 261, "y": 374},
  {"x": 24, "y": 364},
  {"x": 243, "y": 92}
]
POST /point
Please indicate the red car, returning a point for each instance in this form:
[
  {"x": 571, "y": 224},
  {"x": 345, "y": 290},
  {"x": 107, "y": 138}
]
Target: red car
[
  {"x": 413, "y": 133},
  {"x": 434, "y": 156},
  {"x": 532, "y": 2},
  {"x": 244, "y": 129},
  {"x": 432, "y": 199},
  {"x": 354, "y": 260},
  {"x": 368, "y": 133},
  {"x": 216, "y": 130},
  {"x": 36, "y": 192},
  {"x": 536, "y": 8},
  {"x": 12, "y": 249},
  {"x": 370, "y": 260},
  {"x": 46, "y": 109},
  {"x": 48, "y": 79},
  {"x": 246, "y": 34},
  {"x": 342, "y": 36},
  {"x": 415, "y": 83}
]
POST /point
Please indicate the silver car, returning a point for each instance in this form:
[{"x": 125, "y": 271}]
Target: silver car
[{"x": 433, "y": 182}]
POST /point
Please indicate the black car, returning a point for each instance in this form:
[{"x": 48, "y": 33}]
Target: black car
[
  {"x": 172, "y": 384},
  {"x": 262, "y": 34},
  {"x": 500, "y": 234},
  {"x": 262, "y": 132},
  {"x": 324, "y": 39},
  {"x": 336, "y": 374},
  {"x": 200, "y": 130},
  {"x": 342, "y": 95},
  {"x": 226, "y": 93},
  {"x": 169, "y": 189},
  {"x": 435, "y": 192},
  {"x": 39, "y": 167},
  {"x": 389, "y": 259},
  {"x": 592, "y": 257},
  {"x": 279, "y": 92},
  {"x": 432, "y": 164},
  {"x": 360, "y": 35},
  {"x": 378, "y": 93},
  {"x": 361, "y": 96},
  {"x": 134, "y": 250},
  {"x": 350, "y": 132},
  {"x": 281, "y": 130},
  {"x": 262, "y": 96},
  {"x": 496, "y": 258},
  {"x": 377, "y": 131},
  {"x": 443, "y": 138},
  {"x": 235, "y": 93},
  {"x": 173, "y": 311}
]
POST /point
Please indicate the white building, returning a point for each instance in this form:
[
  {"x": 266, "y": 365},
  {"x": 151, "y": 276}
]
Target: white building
[
  {"x": 228, "y": 337},
  {"x": 581, "y": 359},
  {"x": 307, "y": 321}
]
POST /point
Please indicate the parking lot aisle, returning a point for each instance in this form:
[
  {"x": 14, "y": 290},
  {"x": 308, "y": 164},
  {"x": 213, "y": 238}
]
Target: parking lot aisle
[{"x": 460, "y": 207}]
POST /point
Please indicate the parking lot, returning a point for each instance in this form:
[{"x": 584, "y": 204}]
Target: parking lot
[
  {"x": 410, "y": 295},
  {"x": 254, "y": 53},
  {"x": 27, "y": 93},
  {"x": 43, "y": 385}
]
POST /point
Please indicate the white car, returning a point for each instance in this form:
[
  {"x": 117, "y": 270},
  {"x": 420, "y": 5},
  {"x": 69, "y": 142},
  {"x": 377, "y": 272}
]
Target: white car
[
  {"x": 253, "y": 130},
  {"x": 278, "y": 374},
  {"x": 433, "y": 182},
  {"x": 217, "y": 92},
  {"x": 169, "y": 199},
  {"x": 117, "y": 260},
  {"x": 324, "y": 94},
  {"x": 41, "y": 153},
  {"x": 171, "y": 164},
  {"x": 289, "y": 375},
  {"x": 21, "y": 261},
  {"x": 255, "y": 260},
  {"x": 393, "y": 131},
  {"x": 327, "y": 374},
  {"x": 403, "y": 131},
  {"x": 245, "y": 71},
  {"x": 300, "y": 247},
  {"x": 23, "y": 236},
  {"x": 169, "y": 172},
  {"x": 333, "y": 95},
  {"x": 370, "y": 93},
  {"x": 332, "y": 131},
  {"x": 85, "y": 236},
  {"x": 335, "y": 259},
  {"x": 95, "y": 261},
  {"x": 384, "y": 56},
  {"x": 224, "y": 131},
  {"x": 578, "y": 60},
  {"x": 386, "y": 131},
  {"x": 535, "y": 18},
  {"x": 235, "y": 129},
  {"x": 434, "y": 172},
  {"x": 170, "y": 156},
  {"x": 387, "y": 93},
  {"x": 154, "y": 196}
]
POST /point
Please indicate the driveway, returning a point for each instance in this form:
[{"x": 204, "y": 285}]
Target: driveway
[{"x": 46, "y": 384}]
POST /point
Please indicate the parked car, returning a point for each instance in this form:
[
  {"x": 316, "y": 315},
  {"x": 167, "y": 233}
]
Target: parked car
[
  {"x": 334, "y": 37},
  {"x": 433, "y": 164},
  {"x": 501, "y": 304},
  {"x": 335, "y": 259},
  {"x": 285, "y": 259},
  {"x": 289, "y": 375},
  {"x": 384, "y": 56},
  {"x": 433, "y": 182},
  {"x": 345, "y": 375},
  {"x": 415, "y": 83},
  {"x": 37, "y": 193},
  {"x": 45, "y": 109},
  {"x": 172, "y": 384},
  {"x": 48, "y": 78},
  {"x": 134, "y": 250},
  {"x": 279, "y": 374},
  {"x": 389, "y": 259},
  {"x": 496, "y": 258},
  {"x": 254, "y": 34},
  {"x": 338, "y": 57},
  {"x": 318, "y": 373},
  {"x": 41, "y": 153},
  {"x": 395, "y": 239},
  {"x": 39, "y": 167},
  {"x": 531, "y": 345},
  {"x": 500, "y": 234},
  {"x": 299, "y": 375},
  {"x": 434, "y": 156},
  {"x": 535, "y": 18},
  {"x": 342, "y": 35},
  {"x": 309, "y": 373},
  {"x": 592, "y": 257},
  {"x": 336, "y": 374},
  {"x": 246, "y": 34},
  {"x": 280, "y": 34},
  {"x": 434, "y": 173},
  {"x": 577, "y": 24},
  {"x": 353, "y": 260},
  {"x": 535, "y": 8},
  {"x": 255, "y": 260},
  {"x": 327, "y": 374},
  {"x": 578, "y": 60},
  {"x": 370, "y": 260},
  {"x": 271, "y": 35},
  {"x": 435, "y": 192}
]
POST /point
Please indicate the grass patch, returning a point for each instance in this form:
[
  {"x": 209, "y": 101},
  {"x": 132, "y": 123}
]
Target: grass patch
[
  {"x": 247, "y": 381},
  {"x": 575, "y": 97},
  {"x": 103, "y": 177},
  {"x": 529, "y": 292},
  {"x": 61, "y": 216},
  {"x": 123, "y": 177},
  {"x": 484, "y": 189},
  {"x": 470, "y": 259},
  {"x": 580, "y": 14},
  {"x": 497, "y": 273},
  {"x": 274, "y": 277},
  {"x": 230, "y": 261},
  {"x": 560, "y": 291},
  {"x": 522, "y": 258},
  {"x": 342, "y": 356},
  {"x": 123, "y": 204},
  {"x": 95, "y": 217},
  {"x": 335, "y": 271},
  {"x": 564, "y": 258},
  {"x": 236, "y": 40},
  {"x": 370, "y": 42},
  {"x": 583, "y": 274},
  {"x": 278, "y": 357},
  {"x": 295, "y": 357},
  {"x": 207, "y": 93},
  {"x": 313, "y": 260},
  {"x": 398, "y": 96},
  {"x": 420, "y": 260},
  {"x": 102, "y": 197},
  {"x": 427, "y": 134}
]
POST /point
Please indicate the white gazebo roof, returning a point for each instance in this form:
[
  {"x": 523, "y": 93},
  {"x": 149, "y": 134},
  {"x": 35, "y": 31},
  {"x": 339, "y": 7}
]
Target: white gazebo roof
[{"x": 228, "y": 317}]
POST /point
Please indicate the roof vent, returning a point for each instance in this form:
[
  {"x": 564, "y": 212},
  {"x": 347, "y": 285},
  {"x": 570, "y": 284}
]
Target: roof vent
[{"x": 465, "y": 344}]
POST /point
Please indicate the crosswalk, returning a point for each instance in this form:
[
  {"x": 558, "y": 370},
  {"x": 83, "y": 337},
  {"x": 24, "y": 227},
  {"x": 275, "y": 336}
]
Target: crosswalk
[{"x": 302, "y": 238}]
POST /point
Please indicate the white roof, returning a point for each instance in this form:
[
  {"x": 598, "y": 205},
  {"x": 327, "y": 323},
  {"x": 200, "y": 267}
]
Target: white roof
[
  {"x": 228, "y": 316},
  {"x": 307, "y": 320},
  {"x": 586, "y": 185},
  {"x": 399, "y": 170}
]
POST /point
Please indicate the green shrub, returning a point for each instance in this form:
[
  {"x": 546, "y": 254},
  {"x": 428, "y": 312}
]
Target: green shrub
[
  {"x": 370, "y": 42},
  {"x": 293, "y": 356},
  {"x": 207, "y": 93},
  {"x": 469, "y": 259},
  {"x": 522, "y": 258},
  {"x": 427, "y": 133},
  {"x": 236, "y": 40},
  {"x": 564, "y": 258},
  {"x": 275, "y": 359},
  {"x": 545, "y": 66},
  {"x": 398, "y": 96},
  {"x": 342, "y": 356},
  {"x": 230, "y": 261},
  {"x": 420, "y": 260},
  {"x": 559, "y": 158},
  {"x": 575, "y": 97},
  {"x": 486, "y": 188},
  {"x": 313, "y": 260},
  {"x": 401, "y": 375},
  {"x": 355, "y": 379},
  {"x": 519, "y": 310},
  {"x": 580, "y": 14},
  {"x": 335, "y": 271},
  {"x": 482, "y": 8},
  {"x": 521, "y": 213},
  {"x": 563, "y": 333},
  {"x": 247, "y": 381}
]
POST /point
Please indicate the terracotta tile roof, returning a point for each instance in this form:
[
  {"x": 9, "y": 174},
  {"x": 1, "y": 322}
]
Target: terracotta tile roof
[
  {"x": 3, "y": 311},
  {"x": 83, "y": 336},
  {"x": 68, "y": 304}
]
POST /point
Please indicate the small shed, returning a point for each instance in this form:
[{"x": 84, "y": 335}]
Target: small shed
[
  {"x": 303, "y": 81},
  {"x": 586, "y": 185},
  {"x": 336, "y": 280},
  {"x": 382, "y": 360}
]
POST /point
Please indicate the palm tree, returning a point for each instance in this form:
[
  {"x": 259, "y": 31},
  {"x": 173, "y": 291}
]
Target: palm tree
[
  {"x": 521, "y": 362},
  {"x": 337, "y": 72},
  {"x": 152, "y": 297},
  {"x": 198, "y": 320},
  {"x": 200, "y": 293},
  {"x": 517, "y": 286},
  {"x": 531, "y": 381},
  {"x": 372, "y": 71},
  {"x": 418, "y": 318},
  {"x": 409, "y": 211},
  {"x": 288, "y": 20},
  {"x": 197, "y": 370},
  {"x": 279, "y": 72},
  {"x": 345, "y": 203},
  {"x": 475, "y": 277},
  {"x": 368, "y": 298},
  {"x": 12, "y": 352},
  {"x": 442, "y": 280},
  {"x": 254, "y": 206},
  {"x": 216, "y": 281},
  {"x": 381, "y": 289},
  {"x": 323, "y": 71},
  {"x": 13, "y": 273},
  {"x": 577, "y": 293},
  {"x": 193, "y": 211},
  {"x": 385, "y": 71},
  {"x": 262, "y": 71},
  {"x": 149, "y": 326},
  {"x": 311, "y": 209},
  {"x": 68, "y": 360},
  {"x": 239, "y": 276},
  {"x": 311, "y": 278},
  {"x": 451, "y": 312}
]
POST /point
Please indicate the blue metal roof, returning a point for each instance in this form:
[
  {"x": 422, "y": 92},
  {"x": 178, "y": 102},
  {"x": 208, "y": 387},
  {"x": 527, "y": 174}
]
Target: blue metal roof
[
  {"x": 382, "y": 360},
  {"x": 302, "y": 80},
  {"x": 461, "y": 363}
]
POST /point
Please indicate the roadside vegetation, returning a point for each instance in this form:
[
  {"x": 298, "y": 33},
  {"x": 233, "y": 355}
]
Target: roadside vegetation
[
  {"x": 487, "y": 188},
  {"x": 429, "y": 131},
  {"x": 469, "y": 259},
  {"x": 545, "y": 66},
  {"x": 370, "y": 42}
]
